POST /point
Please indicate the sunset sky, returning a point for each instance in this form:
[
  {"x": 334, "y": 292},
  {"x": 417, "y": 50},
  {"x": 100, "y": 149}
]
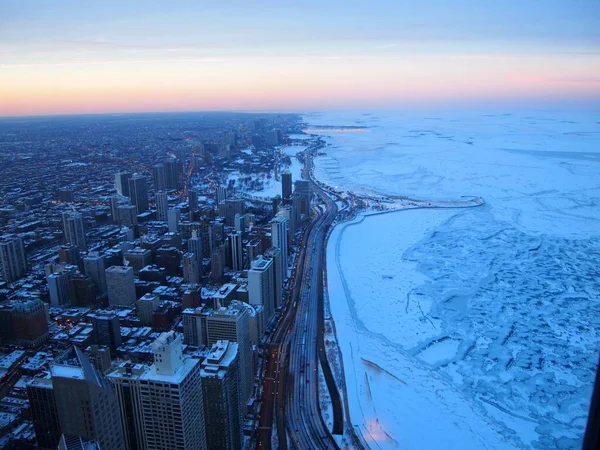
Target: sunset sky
[{"x": 61, "y": 57}]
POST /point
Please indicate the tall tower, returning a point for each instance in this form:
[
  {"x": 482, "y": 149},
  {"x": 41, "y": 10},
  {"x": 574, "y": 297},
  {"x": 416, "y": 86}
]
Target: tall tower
[
  {"x": 93, "y": 266},
  {"x": 173, "y": 218},
  {"x": 122, "y": 183},
  {"x": 13, "y": 258},
  {"x": 138, "y": 193},
  {"x": 42, "y": 407},
  {"x": 260, "y": 286},
  {"x": 86, "y": 403},
  {"x": 58, "y": 285},
  {"x": 191, "y": 268},
  {"x": 279, "y": 239},
  {"x": 195, "y": 245},
  {"x": 193, "y": 199},
  {"x": 221, "y": 392},
  {"x": 159, "y": 177},
  {"x": 162, "y": 205},
  {"x": 237, "y": 255},
  {"x": 286, "y": 185},
  {"x": 233, "y": 324},
  {"x": 74, "y": 229},
  {"x": 161, "y": 405}
]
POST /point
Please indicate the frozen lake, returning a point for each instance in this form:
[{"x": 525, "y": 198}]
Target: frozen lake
[{"x": 479, "y": 326}]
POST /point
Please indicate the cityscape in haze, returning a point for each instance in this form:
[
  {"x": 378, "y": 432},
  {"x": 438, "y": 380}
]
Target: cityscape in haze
[{"x": 316, "y": 225}]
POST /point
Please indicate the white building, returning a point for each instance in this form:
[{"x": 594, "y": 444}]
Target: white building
[
  {"x": 261, "y": 284},
  {"x": 161, "y": 405},
  {"x": 279, "y": 239},
  {"x": 162, "y": 205}
]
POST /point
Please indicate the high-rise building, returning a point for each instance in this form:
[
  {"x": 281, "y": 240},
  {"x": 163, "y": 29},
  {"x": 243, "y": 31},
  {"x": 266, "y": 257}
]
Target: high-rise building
[
  {"x": 138, "y": 192},
  {"x": 120, "y": 286},
  {"x": 161, "y": 405},
  {"x": 193, "y": 200},
  {"x": 303, "y": 188},
  {"x": 173, "y": 217},
  {"x": 253, "y": 249},
  {"x": 122, "y": 183},
  {"x": 194, "y": 326},
  {"x": 74, "y": 229},
  {"x": 217, "y": 264},
  {"x": 162, "y": 206},
  {"x": 279, "y": 239},
  {"x": 146, "y": 305},
  {"x": 58, "y": 286},
  {"x": 138, "y": 258},
  {"x": 191, "y": 269},
  {"x": 173, "y": 172},
  {"x": 195, "y": 246},
  {"x": 232, "y": 323},
  {"x": 159, "y": 176},
  {"x": 69, "y": 254},
  {"x": 86, "y": 403},
  {"x": 260, "y": 286},
  {"x": 115, "y": 202},
  {"x": 221, "y": 392},
  {"x": 216, "y": 233},
  {"x": 127, "y": 215},
  {"x": 286, "y": 185},
  {"x": 107, "y": 329},
  {"x": 237, "y": 251},
  {"x": 23, "y": 323},
  {"x": 274, "y": 254},
  {"x": 222, "y": 194},
  {"x": 13, "y": 258},
  {"x": 44, "y": 415},
  {"x": 93, "y": 266}
]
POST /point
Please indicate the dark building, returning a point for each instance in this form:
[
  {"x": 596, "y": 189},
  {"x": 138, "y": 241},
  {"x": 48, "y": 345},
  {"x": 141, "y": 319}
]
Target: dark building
[
  {"x": 23, "y": 323},
  {"x": 44, "y": 415},
  {"x": 170, "y": 259},
  {"x": 193, "y": 200},
  {"x": 82, "y": 290},
  {"x": 107, "y": 330},
  {"x": 138, "y": 193},
  {"x": 159, "y": 176},
  {"x": 286, "y": 185},
  {"x": 122, "y": 183}
]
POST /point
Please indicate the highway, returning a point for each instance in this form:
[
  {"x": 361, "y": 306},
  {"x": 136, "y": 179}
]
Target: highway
[{"x": 291, "y": 382}]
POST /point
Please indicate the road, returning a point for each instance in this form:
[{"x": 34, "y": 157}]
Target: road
[{"x": 291, "y": 382}]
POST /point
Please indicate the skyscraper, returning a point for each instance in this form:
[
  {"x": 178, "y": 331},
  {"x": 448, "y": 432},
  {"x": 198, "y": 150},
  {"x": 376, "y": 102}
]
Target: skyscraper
[
  {"x": 237, "y": 255},
  {"x": 193, "y": 199},
  {"x": 173, "y": 173},
  {"x": 191, "y": 268},
  {"x": 23, "y": 322},
  {"x": 159, "y": 176},
  {"x": 93, "y": 266},
  {"x": 127, "y": 215},
  {"x": 120, "y": 286},
  {"x": 173, "y": 217},
  {"x": 232, "y": 323},
  {"x": 86, "y": 403},
  {"x": 195, "y": 246},
  {"x": 221, "y": 392},
  {"x": 74, "y": 229},
  {"x": 107, "y": 329},
  {"x": 303, "y": 188},
  {"x": 222, "y": 194},
  {"x": 274, "y": 254},
  {"x": 138, "y": 193},
  {"x": 161, "y": 405},
  {"x": 279, "y": 239},
  {"x": 122, "y": 183},
  {"x": 286, "y": 185},
  {"x": 162, "y": 205},
  {"x": 42, "y": 407},
  {"x": 260, "y": 286},
  {"x": 58, "y": 286},
  {"x": 13, "y": 258}
]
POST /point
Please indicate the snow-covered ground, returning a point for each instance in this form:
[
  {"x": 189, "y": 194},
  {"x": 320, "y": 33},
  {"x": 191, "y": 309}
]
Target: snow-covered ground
[
  {"x": 468, "y": 328},
  {"x": 271, "y": 186}
]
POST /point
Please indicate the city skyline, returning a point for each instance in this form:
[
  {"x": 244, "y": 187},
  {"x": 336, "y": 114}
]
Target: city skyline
[{"x": 64, "y": 58}]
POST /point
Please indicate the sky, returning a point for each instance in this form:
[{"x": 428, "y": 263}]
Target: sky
[{"x": 70, "y": 57}]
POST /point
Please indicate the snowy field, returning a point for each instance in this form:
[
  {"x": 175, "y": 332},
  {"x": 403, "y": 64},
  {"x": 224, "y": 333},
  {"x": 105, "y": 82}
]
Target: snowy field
[
  {"x": 271, "y": 186},
  {"x": 468, "y": 328}
]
